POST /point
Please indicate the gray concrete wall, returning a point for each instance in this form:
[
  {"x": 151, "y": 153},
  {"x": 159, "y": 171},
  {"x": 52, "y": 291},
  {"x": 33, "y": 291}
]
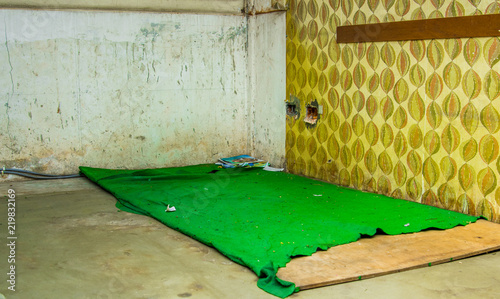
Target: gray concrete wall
[
  {"x": 267, "y": 66},
  {"x": 209, "y": 6},
  {"x": 121, "y": 89},
  {"x": 204, "y": 6},
  {"x": 135, "y": 90}
]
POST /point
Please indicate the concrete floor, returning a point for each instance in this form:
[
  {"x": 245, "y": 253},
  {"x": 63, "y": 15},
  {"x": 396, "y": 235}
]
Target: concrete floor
[{"x": 74, "y": 243}]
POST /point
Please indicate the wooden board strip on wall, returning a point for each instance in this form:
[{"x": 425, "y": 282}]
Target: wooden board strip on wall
[
  {"x": 456, "y": 27},
  {"x": 385, "y": 254}
]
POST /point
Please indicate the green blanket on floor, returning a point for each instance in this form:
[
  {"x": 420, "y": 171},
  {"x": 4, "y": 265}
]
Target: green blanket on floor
[{"x": 261, "y": 219}]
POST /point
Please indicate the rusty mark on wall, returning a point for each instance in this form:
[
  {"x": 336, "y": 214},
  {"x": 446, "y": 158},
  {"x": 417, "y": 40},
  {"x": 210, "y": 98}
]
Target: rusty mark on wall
[{"x": 275, "y": 6}]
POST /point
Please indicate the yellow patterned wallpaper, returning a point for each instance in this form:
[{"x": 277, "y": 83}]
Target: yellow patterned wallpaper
[{"x": 416, "y": 120}]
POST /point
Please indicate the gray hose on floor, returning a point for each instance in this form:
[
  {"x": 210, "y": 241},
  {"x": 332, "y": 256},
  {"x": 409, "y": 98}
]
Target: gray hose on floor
[{"x": 36, "y": 175}]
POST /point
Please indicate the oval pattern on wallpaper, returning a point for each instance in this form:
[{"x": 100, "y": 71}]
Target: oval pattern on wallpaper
[{"x": 413, "y": 119}]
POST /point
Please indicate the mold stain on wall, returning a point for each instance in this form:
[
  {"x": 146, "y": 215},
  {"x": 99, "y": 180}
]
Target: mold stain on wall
[{"x": 416, "y": 120}]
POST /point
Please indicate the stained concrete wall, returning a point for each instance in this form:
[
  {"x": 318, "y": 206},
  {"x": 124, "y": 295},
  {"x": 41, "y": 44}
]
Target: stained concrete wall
[
  {"x": 267, "y": 69},
  {"x": 129, "y": 90},
  {"x": 261, "y": 6},
  {"x": 207, "y": 6},
  {"x": 191, "y": 6},
  {"x": 136, "y": 90}
]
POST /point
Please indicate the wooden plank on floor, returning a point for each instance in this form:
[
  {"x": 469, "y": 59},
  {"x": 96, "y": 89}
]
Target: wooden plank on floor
[{"x": 384, "y": 254}]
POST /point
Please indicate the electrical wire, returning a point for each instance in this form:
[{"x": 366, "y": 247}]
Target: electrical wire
[
  {"x": 31, "y": 172},
  {"x": 36, "y": 175}
]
